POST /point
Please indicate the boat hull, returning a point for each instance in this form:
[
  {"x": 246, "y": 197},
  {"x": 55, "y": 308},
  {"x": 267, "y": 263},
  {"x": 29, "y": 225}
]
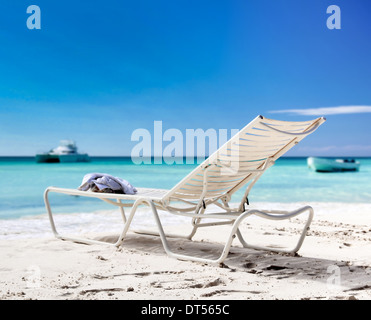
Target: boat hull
[
  {"x": 331, "y": 165},
  {"x": 55, "y": 158}
]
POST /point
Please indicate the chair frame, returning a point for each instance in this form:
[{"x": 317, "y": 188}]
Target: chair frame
[{"x": 158, "y": 199}]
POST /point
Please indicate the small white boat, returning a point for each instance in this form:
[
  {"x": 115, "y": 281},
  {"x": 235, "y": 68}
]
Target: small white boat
[
  {"x": 332, "y": 165},
  {"x": 65, "y": 152}
]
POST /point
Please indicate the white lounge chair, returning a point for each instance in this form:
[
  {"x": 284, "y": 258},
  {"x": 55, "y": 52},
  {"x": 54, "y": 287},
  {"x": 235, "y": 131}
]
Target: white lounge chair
[{"x": 239, "y": 162}]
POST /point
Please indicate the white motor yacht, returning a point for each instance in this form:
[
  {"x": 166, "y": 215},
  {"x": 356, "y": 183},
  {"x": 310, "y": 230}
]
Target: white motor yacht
[{"x": 65, "y": 152}]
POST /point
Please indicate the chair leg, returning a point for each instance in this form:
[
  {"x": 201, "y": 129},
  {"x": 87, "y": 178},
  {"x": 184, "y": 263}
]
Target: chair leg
[
  {"x": 278, "y": 215},
  {"x": 62, "y": 237},
  {"x": 127, "y": 222},
  {"x": 171, "y": 254}
]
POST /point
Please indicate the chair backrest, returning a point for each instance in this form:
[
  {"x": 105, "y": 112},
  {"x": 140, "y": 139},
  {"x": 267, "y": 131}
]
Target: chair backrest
[{"x": 242, "y": 159}]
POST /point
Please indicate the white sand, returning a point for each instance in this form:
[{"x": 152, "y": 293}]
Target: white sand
[{"x": 333, "y": 263}]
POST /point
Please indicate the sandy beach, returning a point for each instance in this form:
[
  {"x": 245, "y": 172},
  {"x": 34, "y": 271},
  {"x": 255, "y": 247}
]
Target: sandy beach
[{"x": 333, "y": 263}]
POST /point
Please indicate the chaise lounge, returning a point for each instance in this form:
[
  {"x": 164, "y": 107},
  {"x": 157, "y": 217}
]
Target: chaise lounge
[{"x": 238, "y": 163}]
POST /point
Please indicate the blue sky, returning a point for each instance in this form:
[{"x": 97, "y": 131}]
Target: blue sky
[{"x": 96, "y": 71}]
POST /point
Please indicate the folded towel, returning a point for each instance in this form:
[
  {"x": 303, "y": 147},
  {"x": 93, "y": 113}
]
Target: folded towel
[{"x": 102, "y": 182}]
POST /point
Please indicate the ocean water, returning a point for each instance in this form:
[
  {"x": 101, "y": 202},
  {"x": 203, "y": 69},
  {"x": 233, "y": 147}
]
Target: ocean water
[{"x": 289, "y": 180}]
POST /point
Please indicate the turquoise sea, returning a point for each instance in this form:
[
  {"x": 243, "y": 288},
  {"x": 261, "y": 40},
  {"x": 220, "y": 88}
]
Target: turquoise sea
[{"x": 289, "y": 180}]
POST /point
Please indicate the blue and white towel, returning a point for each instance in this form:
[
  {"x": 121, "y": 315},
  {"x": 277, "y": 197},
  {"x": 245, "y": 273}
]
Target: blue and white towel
[{"x": 102, "y": 182}]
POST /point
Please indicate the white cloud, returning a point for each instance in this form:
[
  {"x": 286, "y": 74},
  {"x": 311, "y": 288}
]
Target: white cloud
[
  {"x": 327, "y": 111},
  {"x": 338, "y": 148},
  {"x": 318, "y": 149}
]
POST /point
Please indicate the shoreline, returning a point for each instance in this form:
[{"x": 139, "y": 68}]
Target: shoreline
[
  {"x": 34, "y": 226},
  {"x": 334, "y": 262}
]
